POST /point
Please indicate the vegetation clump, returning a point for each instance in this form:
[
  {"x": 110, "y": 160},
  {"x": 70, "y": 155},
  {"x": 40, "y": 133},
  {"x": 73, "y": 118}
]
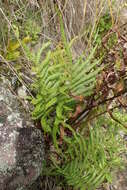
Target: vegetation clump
[
  {"x": 87, "y": 152},
  {"x": 80, "y": 101}
]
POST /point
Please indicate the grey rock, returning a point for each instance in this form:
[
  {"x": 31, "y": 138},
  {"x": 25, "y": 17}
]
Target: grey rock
[{"x": 21, "y": 144}]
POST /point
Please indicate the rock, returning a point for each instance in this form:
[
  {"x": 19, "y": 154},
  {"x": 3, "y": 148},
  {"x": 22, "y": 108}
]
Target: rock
[
  {"x": 21, "y": 145},
  {"x": 21, "y": 91}
]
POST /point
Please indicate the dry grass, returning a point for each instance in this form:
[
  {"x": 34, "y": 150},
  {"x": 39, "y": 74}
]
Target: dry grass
[{"x": 78, "y": 17}]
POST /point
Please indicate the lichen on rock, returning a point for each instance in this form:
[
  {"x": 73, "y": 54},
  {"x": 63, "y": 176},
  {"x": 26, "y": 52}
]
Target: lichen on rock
[{"x": 21, "y": 144}]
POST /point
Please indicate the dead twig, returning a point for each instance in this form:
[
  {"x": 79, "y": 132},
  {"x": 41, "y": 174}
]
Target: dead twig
[{"x": 114, "y": 118}]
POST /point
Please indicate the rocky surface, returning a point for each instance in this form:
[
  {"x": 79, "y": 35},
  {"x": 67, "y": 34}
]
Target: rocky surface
[{"x": 21, "y": 144}]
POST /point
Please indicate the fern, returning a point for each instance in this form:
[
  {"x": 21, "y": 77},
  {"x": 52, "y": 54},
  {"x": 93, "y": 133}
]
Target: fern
[
  {"x": 57, "y": 79},
  {"x": 87, "y": 161},
  {"x": 90, "y": 160}
]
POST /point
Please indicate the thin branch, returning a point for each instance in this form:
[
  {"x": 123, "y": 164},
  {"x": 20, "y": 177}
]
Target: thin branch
[
  {"x": 102, "y": 113},
  {"x": 114, "y": 118},
  {"x": 15, "y": 72},
  {"x": 85, "y": 112}
]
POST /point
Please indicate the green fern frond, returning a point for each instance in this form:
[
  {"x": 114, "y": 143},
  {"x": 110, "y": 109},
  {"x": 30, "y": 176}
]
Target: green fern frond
[
  {"x": 90, "y": 164},
  {"x": 56, "y": 79}
]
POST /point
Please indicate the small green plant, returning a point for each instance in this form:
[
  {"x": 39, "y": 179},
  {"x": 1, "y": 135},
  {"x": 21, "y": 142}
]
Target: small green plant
[
  {"x": 86, "y": 159},
  {"x": 104, "y": 24},
  {"x": 31, "y": 23},
  {"x": 60, "y": 83},
  {"x": 90, "y": 160},
  {"x": 13, "y": 52},
  {"x": 103, "y": 27}
]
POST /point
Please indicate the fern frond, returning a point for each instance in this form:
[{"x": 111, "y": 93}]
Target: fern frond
[
  {"x": 90, "y": 166},
  {"x": 55, "y": 81},
  {"x": 39, "y": 53},
  {"x": 56, "y": 78}
]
